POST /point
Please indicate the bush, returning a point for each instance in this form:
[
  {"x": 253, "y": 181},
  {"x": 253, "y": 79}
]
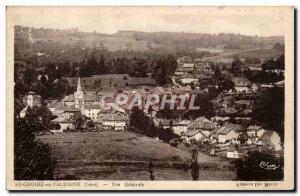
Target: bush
[{"x": 256, "y": 166}]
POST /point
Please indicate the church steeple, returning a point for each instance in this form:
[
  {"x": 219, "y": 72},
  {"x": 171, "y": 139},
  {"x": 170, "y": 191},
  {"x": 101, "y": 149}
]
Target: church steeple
[
  {"x": 78, "y": 85},
  {"x": 79, "y": 97}
]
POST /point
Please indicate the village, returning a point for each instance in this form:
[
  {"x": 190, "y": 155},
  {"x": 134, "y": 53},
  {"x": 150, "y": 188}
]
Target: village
[{"x": 228, "y": 132}]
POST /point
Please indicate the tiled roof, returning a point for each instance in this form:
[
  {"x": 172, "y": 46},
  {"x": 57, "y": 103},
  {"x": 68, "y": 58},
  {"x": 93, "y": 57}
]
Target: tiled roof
[
  {"x": 202, "y": 119},
  {"x": 223, "y": 130},
  {"x": 183, "y": 122},
  {"x": 254, "y": 127},
  {"x": 191, "y": 133},
  {"x": 236, "y": 127},
  {"x": 203, "y": 126}
]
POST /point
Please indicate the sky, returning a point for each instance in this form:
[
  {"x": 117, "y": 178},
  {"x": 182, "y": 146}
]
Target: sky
[{"x": 259, "y": 21}]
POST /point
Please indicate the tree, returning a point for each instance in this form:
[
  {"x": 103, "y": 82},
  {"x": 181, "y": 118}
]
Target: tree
[
  {"x": 78, "y": 120},
  {"x": 41, "y": 117},
  {"x": 255, "y": 167},
  {"x": 269, "y": 109},
  {"x": 135, "y": 117},
  {"x": 32, "y": 159},
  {"x": 165, "y": 67},
  {"x": 236, "y": 65},
  {"x": 90, "y": 124}
]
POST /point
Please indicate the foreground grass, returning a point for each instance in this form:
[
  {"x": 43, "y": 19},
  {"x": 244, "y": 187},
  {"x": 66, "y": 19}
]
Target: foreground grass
[{"x": 122, "y": 156}]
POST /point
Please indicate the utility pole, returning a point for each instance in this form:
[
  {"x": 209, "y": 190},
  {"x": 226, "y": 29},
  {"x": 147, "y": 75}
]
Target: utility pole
[{"x": 195, "y": 165}]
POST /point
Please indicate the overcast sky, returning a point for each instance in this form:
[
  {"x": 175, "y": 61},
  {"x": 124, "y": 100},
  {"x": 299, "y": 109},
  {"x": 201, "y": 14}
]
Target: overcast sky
[{"x": 255, "y": 21}]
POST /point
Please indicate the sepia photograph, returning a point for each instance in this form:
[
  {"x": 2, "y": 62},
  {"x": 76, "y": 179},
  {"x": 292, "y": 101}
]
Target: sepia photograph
[{"x": 150, "y": 98}]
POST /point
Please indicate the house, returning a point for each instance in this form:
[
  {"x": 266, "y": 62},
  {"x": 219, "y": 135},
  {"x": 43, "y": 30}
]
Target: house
[
  {"x": 92, "y": 111},
  {"x": 204, "y": 68},
  {"x": 201, "y": 119},
  {"x": 225, "y": 133},
  {"x": 271, "y": 139},
  {"x": 237, "y": 127},
  {"x": 279, "y": 84},
  {"x": 199, "y": 67},
  {"x": 195, "y": 135},
  {"x": 188, "y": 67},
  {"x": 64, "y": 123},
  {"x": 31, "y": 99},
  {"x": 188, "y": 79},
  {"x": 220, "y": 120},
  {"x": 227, "y": 112},
  {"x": 114, "y": 121},
  {"x": 23, "y": 112},
  {"x": 204, "y": 127},
  {"x": 242, "y": 85},
  {"x": 53, "y": 106},
  {"x": 163, "y": 123},
  {"x": 244, "y": 103},
  {"x": 180, "y": 127},
  {"x": 254, "y": 87},
  {"x": 179, "y": 71},
  {"x": 255, "y": 68},
  {"x": 67, "y": 111},
  {"x": 255, "y": 131}
]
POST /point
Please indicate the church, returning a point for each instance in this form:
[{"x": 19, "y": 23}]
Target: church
[{"x": 88, "y": 103}]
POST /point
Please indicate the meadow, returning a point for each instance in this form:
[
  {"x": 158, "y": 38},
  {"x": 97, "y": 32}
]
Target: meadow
[{"x": 125, "y": 156}]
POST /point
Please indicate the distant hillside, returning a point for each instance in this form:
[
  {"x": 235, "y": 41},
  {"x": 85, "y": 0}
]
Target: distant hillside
[{"x": 141, "y": 41}]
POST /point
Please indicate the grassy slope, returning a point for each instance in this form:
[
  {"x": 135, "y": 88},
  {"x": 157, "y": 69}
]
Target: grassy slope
[
  {"x": 81, "y": 155},
  {"x": 111, "y": 146},
  {"x": 109, "y": 42}
]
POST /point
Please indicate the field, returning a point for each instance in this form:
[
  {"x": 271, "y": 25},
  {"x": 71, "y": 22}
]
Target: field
[
  {"x": 228, "y": 55},
  {"x": 110, "y": 80},
  {"x": 124, "y": 156}
]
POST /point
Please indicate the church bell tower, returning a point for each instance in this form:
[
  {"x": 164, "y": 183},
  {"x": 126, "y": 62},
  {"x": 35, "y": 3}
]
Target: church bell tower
[{"x": 79, "y": 99}]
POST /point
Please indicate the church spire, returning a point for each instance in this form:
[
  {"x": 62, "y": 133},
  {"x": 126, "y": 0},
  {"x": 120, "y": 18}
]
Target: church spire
[{"x": 78, "y": 85}]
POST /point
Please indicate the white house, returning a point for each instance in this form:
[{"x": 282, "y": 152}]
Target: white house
[
  {"x": 64, "y": 122},
  {"x": 67, "y": 112},
  {"x": 180, "y": 127},
  {"x": 92, "y": 111},
  {"x": 195, "y": 135},
  {"x": 30, "y": 100},
  {"x": 255, "y": 131},
  {"x": 242, "y": 85},
  {"x": 114, "y": 121},
  {"x": 179, "y": 71},
  {"x": 204, "y": 127},
  {"x": 225, "y": 133},
  {"x": 188, "y": 67},
  {"x": 188, "y": 79}
]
